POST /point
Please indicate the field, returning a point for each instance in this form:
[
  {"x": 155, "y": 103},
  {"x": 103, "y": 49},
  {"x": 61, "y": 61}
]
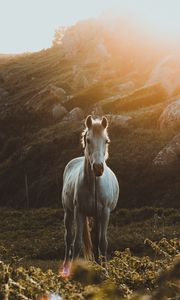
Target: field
[
  {"x": 45, "y": 98},
  {"x": 143, "y": 244}
]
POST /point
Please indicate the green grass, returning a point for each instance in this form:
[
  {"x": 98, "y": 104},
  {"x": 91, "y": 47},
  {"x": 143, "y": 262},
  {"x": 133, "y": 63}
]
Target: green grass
[
  {"x": 39, "y": 234},
  {"x": 126, "y": 277}
]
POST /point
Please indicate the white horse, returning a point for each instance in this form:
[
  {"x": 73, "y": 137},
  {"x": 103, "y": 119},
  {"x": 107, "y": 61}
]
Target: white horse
[{"x": 90, "y": 189}]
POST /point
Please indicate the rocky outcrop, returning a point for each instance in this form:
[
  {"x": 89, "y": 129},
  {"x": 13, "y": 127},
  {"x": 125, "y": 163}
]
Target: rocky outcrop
[
  {"x": 3, "y": 93},
  {"x": 170, "y": 117},
  {"x": 91, "y": 95},
  {"x": 126, "y": 88},
  {"x": 58, "y": 112},
  {"x": 85, "y": 39},
  {"x": 57, "y": 92},
  {"x": 170, "y": 154},
  {"x": 119, "y": 120},
  {"x": 76, "y": 114},
  {"x": 166, "y": 72},
  {"x": 142, "y": 97},
  {"x": 47, "y": 98}
]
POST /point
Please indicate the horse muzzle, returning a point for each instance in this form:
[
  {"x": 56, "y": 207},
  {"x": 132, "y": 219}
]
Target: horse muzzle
[{"x": 98, "y": 169}]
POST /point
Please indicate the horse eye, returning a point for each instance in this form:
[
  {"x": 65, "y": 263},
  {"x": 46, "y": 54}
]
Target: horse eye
[{"x": 88, "y": 141}]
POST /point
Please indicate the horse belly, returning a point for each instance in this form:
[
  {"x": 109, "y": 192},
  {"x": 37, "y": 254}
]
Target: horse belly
[
  {"x": 86, "y": 203},
  {"x": 69, "y": 184},
  {"x": 108, "y": 191}
]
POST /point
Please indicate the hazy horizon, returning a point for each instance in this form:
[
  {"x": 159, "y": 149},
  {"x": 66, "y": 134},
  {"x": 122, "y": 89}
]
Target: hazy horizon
[{"x": 28, "y": 26}]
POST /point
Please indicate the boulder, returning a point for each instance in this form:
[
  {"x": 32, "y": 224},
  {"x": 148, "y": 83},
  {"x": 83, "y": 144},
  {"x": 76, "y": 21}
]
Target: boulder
[
  {"x": 76, "y": 114},
  {"x": 167, "y": 72},
  {"x": 119, "y": 120},
  {"x": 126, "y": 88},
  {"x": 170, "y": 154},
  {"x": 92, "y": 95},
  {"x": 85, "y": 40},
  {"x": 57, "y": 92},
  {"x": 47, "y": 98},
  {"x": 80, "y": 79},
  {"x": 54, "y": 91},
  {"x": 145, "y": 96},
  {"x": 3, "y": 93},
  {"x": 170, "y": 117},
  {"x": 58, "y": 112}
]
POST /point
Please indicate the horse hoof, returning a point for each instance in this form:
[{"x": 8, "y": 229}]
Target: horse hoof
[{"x": 65, "y": 271}]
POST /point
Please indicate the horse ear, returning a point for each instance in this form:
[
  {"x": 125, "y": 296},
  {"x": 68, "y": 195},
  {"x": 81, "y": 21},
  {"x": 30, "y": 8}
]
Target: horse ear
[
  {"x": 104, "y": 122},
  {"x": 88, "y": 121}
]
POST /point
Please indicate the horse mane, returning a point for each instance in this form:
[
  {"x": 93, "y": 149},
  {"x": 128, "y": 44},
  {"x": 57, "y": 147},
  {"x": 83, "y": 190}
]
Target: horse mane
[{"x": 83, "y": 137}]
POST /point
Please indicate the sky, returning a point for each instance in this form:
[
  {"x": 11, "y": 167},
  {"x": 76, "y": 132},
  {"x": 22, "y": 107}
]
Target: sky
[{"x": 29, "y": 25}]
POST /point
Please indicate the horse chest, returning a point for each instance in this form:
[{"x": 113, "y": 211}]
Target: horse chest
[{"x": 86, "y": 201}]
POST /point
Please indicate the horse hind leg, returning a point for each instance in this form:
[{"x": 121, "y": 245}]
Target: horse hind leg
[{"x": 68, "y": 222}]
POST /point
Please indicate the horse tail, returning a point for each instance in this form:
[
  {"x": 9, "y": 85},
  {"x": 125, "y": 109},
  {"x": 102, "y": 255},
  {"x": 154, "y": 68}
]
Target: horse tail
[{"x": 87, "y": 240}]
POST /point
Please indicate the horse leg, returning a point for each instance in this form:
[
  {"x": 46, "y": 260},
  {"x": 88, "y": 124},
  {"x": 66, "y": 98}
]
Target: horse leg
[
  {"x": 79, "y": 219},
  {"x": 103, "y": 243},
  {"x": 96, "y": 236},
  {"x": 68, "y": 222}
]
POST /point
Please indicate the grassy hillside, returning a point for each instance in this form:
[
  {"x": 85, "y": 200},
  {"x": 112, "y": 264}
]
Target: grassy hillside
[{"x": 34, "y": 147}]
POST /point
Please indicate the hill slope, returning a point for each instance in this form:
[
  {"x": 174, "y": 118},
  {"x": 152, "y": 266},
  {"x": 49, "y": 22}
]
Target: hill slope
[{"x": 39, "y": 132}]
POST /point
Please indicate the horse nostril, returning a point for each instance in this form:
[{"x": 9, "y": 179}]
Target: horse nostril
[{"x": 98, "y": 169}]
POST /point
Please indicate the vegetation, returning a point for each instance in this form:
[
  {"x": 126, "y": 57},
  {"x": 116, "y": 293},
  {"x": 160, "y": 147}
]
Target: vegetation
[
  {"x": 39, "y": 234},
  {"x": 35, "y": 147},
  {"x": 125, "y": 276},
  {"x": 143, "y": 258},
  {"x": 30, "y": 266}
]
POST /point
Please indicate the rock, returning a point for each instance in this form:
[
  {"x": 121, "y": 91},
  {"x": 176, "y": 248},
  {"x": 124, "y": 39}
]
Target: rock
[
  {"x": 85, "y": 39},
  {"x": 80, "y": 79},
  {"x": 58, "y": 112},
  {"x": 126, "y": 88},
  {"x": 76, "y": 114},
  {"x": 3, "y": 93},
  {"x": 145, "y": 96},
  {"x": 92, "y": 94},
  {"x": 1, "y": 79},
  {"x": 47, "y": 98},
  {"x": 167, "y": 72},
  {"x": 169, "y": 154},
  {"x": 170, "y": 117},
  {"x": 119, "y": 120},
  {"x": 57, "y": 92}
]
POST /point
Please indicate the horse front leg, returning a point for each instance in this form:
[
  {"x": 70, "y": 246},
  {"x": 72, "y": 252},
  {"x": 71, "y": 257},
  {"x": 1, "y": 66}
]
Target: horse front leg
[
  {"x": 95, "y": 240},
  {"x": 79, "y": 219},
  {"x": 68, "y": 222},
  {"x": 103, "y": 243}
]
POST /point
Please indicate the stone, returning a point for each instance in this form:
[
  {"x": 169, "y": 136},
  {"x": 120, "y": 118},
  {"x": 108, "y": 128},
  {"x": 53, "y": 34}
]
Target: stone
[
  {"x": 119, "y": 120},
  {"x": 170, "y": 154},
  {"x": 166, "y": 72},
  {"x": 170, "y": 117},
  {"x": 47, "y": 98},
  {"x": 76, "y": 114},
  {"x": 58, "y": 112},
  {"x": 3, "y": 93},
  {"x": 57, "y": 92},
  {"x": 126, "y": 88}
]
